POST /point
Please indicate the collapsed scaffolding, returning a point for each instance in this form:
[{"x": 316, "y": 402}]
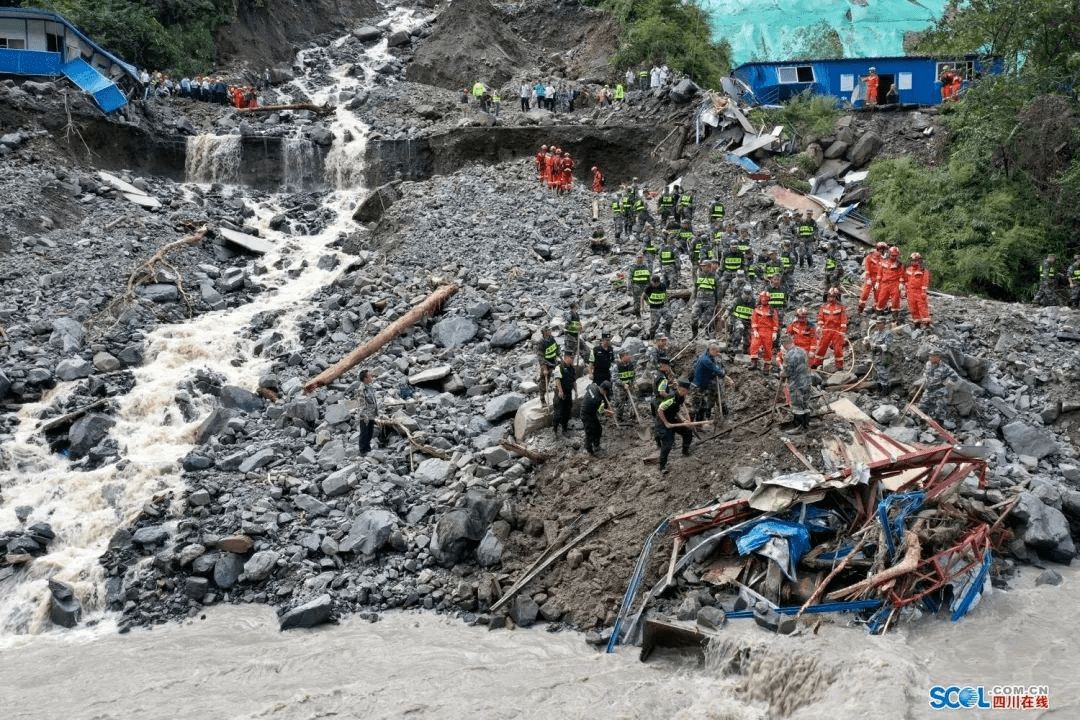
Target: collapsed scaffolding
[{"x": 881, "y": 533}]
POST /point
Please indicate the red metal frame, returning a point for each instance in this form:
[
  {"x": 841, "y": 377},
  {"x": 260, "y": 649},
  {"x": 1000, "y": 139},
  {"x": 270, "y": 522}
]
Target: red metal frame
[{"x": 934, "y": 573}]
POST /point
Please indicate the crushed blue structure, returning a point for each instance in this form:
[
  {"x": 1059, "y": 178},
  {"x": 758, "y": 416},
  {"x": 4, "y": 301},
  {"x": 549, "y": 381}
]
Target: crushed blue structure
[
  {"x": 42, "y": 43},
  {"x": 915, "y": 79}
]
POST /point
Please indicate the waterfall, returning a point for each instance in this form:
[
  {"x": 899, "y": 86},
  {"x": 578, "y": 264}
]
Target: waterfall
[
  {"x": 301, "y": 162},
  {"x": 213, "y": 159}
]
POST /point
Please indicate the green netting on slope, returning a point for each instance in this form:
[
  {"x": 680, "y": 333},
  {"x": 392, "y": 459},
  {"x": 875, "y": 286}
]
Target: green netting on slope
[{"x": 774, "y": 30}]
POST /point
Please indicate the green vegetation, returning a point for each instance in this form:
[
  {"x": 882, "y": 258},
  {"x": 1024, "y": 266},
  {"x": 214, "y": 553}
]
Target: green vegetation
[
  {"x": 171, "y": 35},
  {"x": 805, "y": 115},
  {"x": 671, "y": 32},
  {"x": 819, "y": 41},
  {"x": 1006, "y": 196}
]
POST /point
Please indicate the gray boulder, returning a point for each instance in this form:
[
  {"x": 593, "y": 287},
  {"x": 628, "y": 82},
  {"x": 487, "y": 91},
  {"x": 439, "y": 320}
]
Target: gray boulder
[
  {"x": 86, "y": 432},
  {"x": 369, "y": 532},
  {"x": 434, "y": 471},
  {"x": 508, "y": 336},
  {"x": 104, "y": 362},
  {"x": 227, "y": 570},
  {"x": 339, "y": 482},
  {"x": 309, "y": 614},
  {"x": 159, "y": 292},
  {"x": 67, "y": 335},
  {"x": 259, "y": 567},
  {"x": 490, "y": 551},
  {"x": 257, "y": 460},
  {"x": 212, "y": 425},
  {"x": 503, "y": 406},
  {"x": 1044, "y": 528},
  {"x": 454, "y": 332},
  {"x": 310, "y": 505},
  {"x": 459, "y": 530},
  {"x": 684, "y": 91},
  {"x": 430, "y": 375},
  {"x": 306, "y": 409},
  {"x": 73, "y": 369},
  {"x": 64, "y": 608},
  {"x": 864, "y": 149},
  {"x": 1027, "y": 440},
  {"x": 150, "y": 535},
  {"x": 5, "y": 385},
  {"x": 524, "y": 610},
  {"x": 367, "y": 33},
  {"x": 711, "y": 618},
  {"x": 238, "y": 398}
]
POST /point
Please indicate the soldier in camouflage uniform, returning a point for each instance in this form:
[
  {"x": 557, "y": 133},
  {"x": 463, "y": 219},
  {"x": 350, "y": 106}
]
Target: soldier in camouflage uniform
[
  {"x": 623, "y": 387},
  {"x": 1048, "y": 281},
  {"x": 879, "y": 343},
  {"x": 936, "y": 391},
  {"x": 797, "y": 371},
  {"x": 834, "y": 270},
  {"x": 639, "y": 280},
  {"x": 706, "y": 297}
]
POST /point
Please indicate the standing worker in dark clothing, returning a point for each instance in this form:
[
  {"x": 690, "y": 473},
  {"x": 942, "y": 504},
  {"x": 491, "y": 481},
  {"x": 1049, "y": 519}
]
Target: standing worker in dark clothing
[
  {"x": 548, "y": 351},
  {"x": 1048, "y": 281},
  {"x": 640, "y": 275},
  {"x": 708, "y": 369},
  {"x": 665, "y": 205},
  {"x": 670, "y": 420},
  {"x": 574, "y": 346},
  {"x": 622, "y": 395},
  {"x": 807, "y": 234},
  {"x": 564, "y": 376},
  {"x": 369, "y": 410},
  {"x": 593, "y": 405},
  {"x": 656, "y": 299},
  {"x": 601, "y": 358}
]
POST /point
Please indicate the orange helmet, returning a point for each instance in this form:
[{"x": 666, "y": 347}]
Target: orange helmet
[
  {"x": 593, "y": 168},
  {"x": 834, "y": 292},
  {"x": 916, "y": 257},
  {"x": 894, "y": 251},
  {"x": 558, "y": 151},
  {"x": 763, "y": 298},
  {"x": 543, "y": 147},
  {"x": 801, "y": 312}
]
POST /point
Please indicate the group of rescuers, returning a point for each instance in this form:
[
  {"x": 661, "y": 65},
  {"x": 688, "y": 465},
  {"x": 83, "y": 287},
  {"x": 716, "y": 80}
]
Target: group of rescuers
[{"x": 723, "y": 268}]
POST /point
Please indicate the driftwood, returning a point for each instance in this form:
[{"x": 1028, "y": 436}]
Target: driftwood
[
  {"x": 415, "y": 444},
  {"x": 71, "y": 417},
  {"x": 320, "y": 109},
  {"x": 828, "y": 579},
  {"x": 369, "y": 348},
  {"x": 908, "y": 564},
  {"x": 513, "y": 447}
]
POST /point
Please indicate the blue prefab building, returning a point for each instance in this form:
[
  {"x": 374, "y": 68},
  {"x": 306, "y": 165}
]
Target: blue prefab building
[
  {"x": 44, "y": 44},
  {"x": 907, "y": 80}
]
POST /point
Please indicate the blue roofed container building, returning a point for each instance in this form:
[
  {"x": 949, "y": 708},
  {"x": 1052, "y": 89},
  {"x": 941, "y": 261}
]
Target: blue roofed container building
[
  {"x": 904, "y": 80},
  {"x": 41, "y": 43}
]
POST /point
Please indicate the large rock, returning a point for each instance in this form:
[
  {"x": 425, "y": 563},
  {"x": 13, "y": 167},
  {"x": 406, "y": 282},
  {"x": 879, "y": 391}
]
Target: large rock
[
  {"x": 5, "y": 385},
  {"x": 212, "y": 425},
  {"x": 434, "y": 471},
  {"x": 73, "y": 369},
  {"x": 369, "y": 532},
  {"x": 259, "y": 567},
  {"x": 454, "y": 332},
  {"x": 67, "y": 335},
  {"x": 373, "y": 206},
  {"x": 459, "y": 530},
  {"x": 367, "y": 33},
  {"x": 257, "y": 460},
  {"x": 1027, "y": 440},
  {"x": 508, "y": 336},
  {"x": 309, "y": 614},
  {"x": 227, "y": 570},
  {"x": 490, "y": 551},
  {"x": 86, "y": 432},
  {"x": 150, "y": 535},
  {"x": 531, "y": 417},
  {"x": 159, "y": 292},
  {"x": 306, "y": 409},
  {"x": 1044, "y": 528},
  {"x": 502, "y": 406},
  {"x": 523, "y": 611},
  {"x": 864, "y": 150},
  {"x": 64, "y": 607},
  {"x": 238, "y": 398},
  {"x": 430, "y": 375},
  {"x": 684, "y": 91}
]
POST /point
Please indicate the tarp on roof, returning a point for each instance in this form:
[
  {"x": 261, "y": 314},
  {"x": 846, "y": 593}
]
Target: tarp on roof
[{"x": 770, "y": 30}]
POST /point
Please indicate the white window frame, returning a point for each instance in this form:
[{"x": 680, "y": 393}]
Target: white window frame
[{"x": 792, "y": 72}]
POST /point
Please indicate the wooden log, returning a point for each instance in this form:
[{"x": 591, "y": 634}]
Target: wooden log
[
  {"x": 908, "y": 564},
  {"x": 523, "y": 451},
  {"x": 369, "y": 348},
  {"x": 68, "y": 419},
  {"x": 320, "y": 109}
]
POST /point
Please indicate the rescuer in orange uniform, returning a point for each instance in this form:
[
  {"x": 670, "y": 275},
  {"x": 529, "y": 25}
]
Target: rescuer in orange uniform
[
  {"x": 764, "y": 323},
  {"x": 871, "y": 80},
  {"x": 871, "y": 272},
  {"x": 802, "y": 332},
  {"x": 832, "y": 320},
  {"x": 889, "y": 277},
  {"x": 597, "y": 180},
  {"x": 916, "y": 284}
]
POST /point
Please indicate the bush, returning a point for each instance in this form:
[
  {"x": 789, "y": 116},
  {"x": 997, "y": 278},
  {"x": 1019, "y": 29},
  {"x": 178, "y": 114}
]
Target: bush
[{"x": 803, "y": 115}]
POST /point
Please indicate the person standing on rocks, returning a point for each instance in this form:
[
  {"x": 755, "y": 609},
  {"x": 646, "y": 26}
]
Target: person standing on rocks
[
  {"x": 524, "y": 93},
  {"x": 654, "y": 354},
  {"x": 797, "y": 371},
  {"x": 622, "y": 390},
  {"x": 618, "y": 215},
  {"x": 574, "y": 346},
  {"x": 593, "y": 405},
  {"x": 669, "y": 262},
  {"x": 601, "y": 358},
  {"x": 597, "y": 180},
  {"x": 742, "y": 309},
  {"x": 1073, "y": 276},
  {"x": 1048, "y": 281},
  {"x": 832, "y": 321},
  {"x": 665, "y": 206},
  {"x": 872, "y": 273},
  {"x": 708, "y": 369},
  {"x": 656, "y": 298},
  {"x": 671, "y": 420},
  {"x": 564, "y": 375},
  {"x": 548, "y": 351},
  {"x": 807, "y": 235},
  {"x": 879, "y": 343},
  {"x": 891, "y": 273},
  {"x": 917, "y": 286},
  {"x": 706, "y": 297},
  {"x": 369, "y": 410},
  {"x": 764, "y": 325},
  {"x": 640, "y": 275},
  {"x": 802, "y": 331},
  {"x": 834, "y": 270}
]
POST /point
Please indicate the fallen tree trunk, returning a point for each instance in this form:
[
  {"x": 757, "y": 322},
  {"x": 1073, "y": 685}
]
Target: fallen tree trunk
[
  {"x": 908, "y": 564},
  {"x": 369, "y": 348},
  {"x": 321, "y": 109},
  {"x": 523, "y": 451}
]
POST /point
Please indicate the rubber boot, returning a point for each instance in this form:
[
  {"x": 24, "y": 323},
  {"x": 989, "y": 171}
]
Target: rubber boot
[
  {"x": 804, "y": 420},
  {"x": 693, "y": 328}
]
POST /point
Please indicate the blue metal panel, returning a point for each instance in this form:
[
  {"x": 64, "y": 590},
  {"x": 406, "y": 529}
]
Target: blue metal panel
[
  {"x": 29, "y": 62},
  {"x": 108, "y": 96}
]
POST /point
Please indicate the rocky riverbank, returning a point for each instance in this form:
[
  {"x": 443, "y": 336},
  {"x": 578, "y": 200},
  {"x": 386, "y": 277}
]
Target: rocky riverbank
[{"x": 275, "y": 504}]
